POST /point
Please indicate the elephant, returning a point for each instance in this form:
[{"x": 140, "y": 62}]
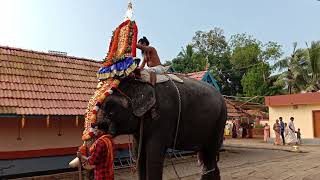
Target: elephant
[{"x": 151, "y": 114}]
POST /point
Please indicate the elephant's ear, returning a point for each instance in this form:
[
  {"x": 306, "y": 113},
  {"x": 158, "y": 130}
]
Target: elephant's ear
[{"x": 143, "y": 98}]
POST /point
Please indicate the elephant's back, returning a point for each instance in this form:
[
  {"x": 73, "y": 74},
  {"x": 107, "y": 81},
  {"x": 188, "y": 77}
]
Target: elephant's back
[
  {"x": 202, "y": 106},
  {"x": 200, "y": 97},
  {"x": 198, "y": 89}
]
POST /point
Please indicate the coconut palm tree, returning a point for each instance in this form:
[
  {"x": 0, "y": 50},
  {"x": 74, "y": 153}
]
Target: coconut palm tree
[
  {"x": 314, "y": 66},
  {"x": 295, "y": 66},
  {"x": 302, "y": 69},
  {"x": 189, "y": 61}
]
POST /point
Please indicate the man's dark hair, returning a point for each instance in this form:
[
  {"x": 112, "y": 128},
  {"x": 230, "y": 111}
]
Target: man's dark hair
[
  {"x": 291, "y": 118},
  {"x": 144, "y": 40},
  {"x": 280, "y": 118},
  {"x": 102, "y": 125}
]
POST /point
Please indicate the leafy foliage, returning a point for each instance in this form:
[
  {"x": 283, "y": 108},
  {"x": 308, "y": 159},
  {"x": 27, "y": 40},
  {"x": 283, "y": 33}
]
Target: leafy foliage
[
  {"x": 189, "y": 61},
  {"x": 245, "y": 66},
  {"x": 253, "y": 81},
  {"x": 167, "y": 63},
  {"x": 302, "y": 69},
  {"x": 252, "y": 58}
]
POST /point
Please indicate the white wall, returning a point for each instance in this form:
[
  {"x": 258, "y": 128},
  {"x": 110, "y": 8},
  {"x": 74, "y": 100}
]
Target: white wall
[{"x": 303, "y": 117}]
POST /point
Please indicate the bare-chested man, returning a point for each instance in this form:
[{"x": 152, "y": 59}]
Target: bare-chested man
[{"x": 150, "y": 57}]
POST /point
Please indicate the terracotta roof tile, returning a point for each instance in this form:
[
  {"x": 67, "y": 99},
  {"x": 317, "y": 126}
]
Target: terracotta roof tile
[
  {"x": 34, "y": 82},
  {"x": 7, "y": 110},
  {"x": 235, "y": 111},
  {"x": 197, "y": 75}
]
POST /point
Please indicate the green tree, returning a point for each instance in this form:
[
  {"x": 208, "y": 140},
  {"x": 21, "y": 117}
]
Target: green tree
[
  {"x": 314, "y": 66},
  {"x": 245, "y": 50},
  {"x": 253, "y": 82},
  {"x": 211, "y": 43},
  {"x": 214, "y": 46},
  {"x": 167, "y": 63},
  {"x": 251, "y": 58},
  {"x": 299, "y": 70},
  {"x": 234, "y": 64},
  {"x": 189, "y": 61}
]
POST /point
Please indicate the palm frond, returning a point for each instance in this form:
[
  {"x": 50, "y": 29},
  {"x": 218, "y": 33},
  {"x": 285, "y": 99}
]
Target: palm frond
[
  {"x": 314, "y": 54},
  {"x": 281, "y": 64}
]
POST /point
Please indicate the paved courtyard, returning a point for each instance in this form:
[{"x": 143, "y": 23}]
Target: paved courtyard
[{"x": 250, "y": 160}]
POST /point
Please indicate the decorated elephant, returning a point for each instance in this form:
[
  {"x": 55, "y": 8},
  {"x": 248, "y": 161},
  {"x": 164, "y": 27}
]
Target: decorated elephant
[
  {"x": 184, "y": 116},
  {"x": 188, "y": 115}
]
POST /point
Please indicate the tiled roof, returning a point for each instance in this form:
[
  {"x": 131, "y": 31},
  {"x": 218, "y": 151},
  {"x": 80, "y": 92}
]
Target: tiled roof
[
  {"x": 38, "y": 83},
  {"x": 235, "y": 111},
  {"x": 258, "y": 113},
  {"x": 197, "y": 75},
  {"x": 293, "y": 99}
]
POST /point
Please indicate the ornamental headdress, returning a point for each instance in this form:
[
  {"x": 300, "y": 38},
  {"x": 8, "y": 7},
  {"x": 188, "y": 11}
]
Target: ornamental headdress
[
  {"x": 122, "y": 49},
  {"x": 119, "y": 62}
]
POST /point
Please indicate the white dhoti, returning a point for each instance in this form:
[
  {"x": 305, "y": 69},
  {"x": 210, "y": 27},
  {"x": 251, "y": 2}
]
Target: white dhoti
[
  {"x": 291, "y": 136},
  {"x": 156, "y": 69}
]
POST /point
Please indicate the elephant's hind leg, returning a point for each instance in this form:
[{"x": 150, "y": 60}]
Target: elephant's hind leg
[{"x": 210, "y": 170}]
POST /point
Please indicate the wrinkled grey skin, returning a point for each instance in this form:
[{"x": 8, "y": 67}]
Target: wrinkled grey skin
[{"x": 201, "y": 128}]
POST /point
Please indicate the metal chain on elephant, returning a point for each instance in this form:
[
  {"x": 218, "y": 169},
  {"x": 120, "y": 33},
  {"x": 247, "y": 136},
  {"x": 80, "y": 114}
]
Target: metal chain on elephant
[
  {"x": 179, "y": 113},
  {"x": 208, "y": 171},
  {"x": 178, "y": 123},
  {"x": 140, "y": 143},
  {"x": 131, "y": 163}
]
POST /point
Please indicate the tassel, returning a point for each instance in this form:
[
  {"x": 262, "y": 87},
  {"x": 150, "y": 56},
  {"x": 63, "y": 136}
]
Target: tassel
[
  {"x": 23, "y": 121},
  {"x": 48, "y": 121},
  {"x": 77, "y": 121}
]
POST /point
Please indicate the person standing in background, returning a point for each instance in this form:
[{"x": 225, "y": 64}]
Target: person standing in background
[
  {"x": 282, "y": 127},
  {"x": 266, "y": 132},
  {"x": 276, "y": 128},
  {"x": 291, "y": 138},
  {"x": 234, "y": 130},
  {"x": 299, "y": 136}
]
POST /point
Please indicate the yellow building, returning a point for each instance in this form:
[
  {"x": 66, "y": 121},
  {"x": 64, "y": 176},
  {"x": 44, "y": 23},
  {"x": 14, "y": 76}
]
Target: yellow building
[{"x": 305, "y": 108}]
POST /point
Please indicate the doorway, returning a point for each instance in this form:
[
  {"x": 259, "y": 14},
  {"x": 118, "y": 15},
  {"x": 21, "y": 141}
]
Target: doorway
[{"x": 316, "y": 123}]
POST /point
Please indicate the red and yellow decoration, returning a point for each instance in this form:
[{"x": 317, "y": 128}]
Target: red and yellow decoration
[
  {"x": 104, "y": 89},
  {"x": 122, "y": 50},
  {"x": 123, "y": 43},
  {"x": 118, "y": 63}
]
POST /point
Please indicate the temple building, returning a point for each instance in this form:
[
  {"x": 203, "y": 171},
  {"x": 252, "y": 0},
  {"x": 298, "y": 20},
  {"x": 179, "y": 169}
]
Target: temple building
[
  {"x": 205, "y": 76},
  {"x": 43, "y": 97}
]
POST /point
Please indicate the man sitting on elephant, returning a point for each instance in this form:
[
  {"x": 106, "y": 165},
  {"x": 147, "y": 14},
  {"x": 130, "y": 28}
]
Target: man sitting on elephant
[
  {"x": 150, "y": 57},
  {"x": 101, "y": 153}
]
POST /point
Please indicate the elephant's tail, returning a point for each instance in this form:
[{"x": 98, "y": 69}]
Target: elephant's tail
[{"x": 220, "y": 125}]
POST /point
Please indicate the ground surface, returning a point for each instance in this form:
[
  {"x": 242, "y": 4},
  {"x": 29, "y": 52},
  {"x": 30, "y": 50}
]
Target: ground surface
[
  {"x": 251, "y": 160},
  {"x": 241, "y": 160}
]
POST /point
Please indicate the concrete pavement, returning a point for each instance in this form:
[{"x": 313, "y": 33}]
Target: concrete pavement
[{"x": 243, "y": 159}]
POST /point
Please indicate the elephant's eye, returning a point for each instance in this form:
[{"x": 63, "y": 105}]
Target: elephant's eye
[{"x": 110, "y": 114}]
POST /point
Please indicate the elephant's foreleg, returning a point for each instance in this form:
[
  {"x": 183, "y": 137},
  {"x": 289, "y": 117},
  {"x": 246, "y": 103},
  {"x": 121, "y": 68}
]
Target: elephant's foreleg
[
  {"x": 155, "y": 157},
  {"x": 142, "y": 166},
  {"x": 141, "y": 162}
]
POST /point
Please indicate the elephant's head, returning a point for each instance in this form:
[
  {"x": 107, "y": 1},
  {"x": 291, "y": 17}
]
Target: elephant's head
[{"x": 124, "y": 108}]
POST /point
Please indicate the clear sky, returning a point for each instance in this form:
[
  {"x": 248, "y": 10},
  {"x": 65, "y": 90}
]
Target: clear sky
[{"x": 83, "y": 27}]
